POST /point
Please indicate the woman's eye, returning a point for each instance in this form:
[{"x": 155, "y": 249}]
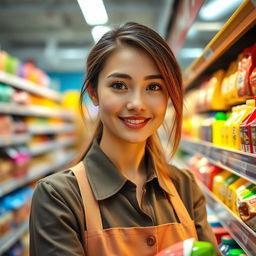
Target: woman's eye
[
  {"x": 154, "y": 87},
  {"x": 119, "y": 86}
]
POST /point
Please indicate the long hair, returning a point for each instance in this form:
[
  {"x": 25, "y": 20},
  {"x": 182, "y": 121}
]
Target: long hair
[{"x": 154, "y": 45}]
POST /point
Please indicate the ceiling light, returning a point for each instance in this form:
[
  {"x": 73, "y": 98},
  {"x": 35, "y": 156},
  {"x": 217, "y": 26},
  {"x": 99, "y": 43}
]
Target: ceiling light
[
  {"x": 216, "y": 9},
  {"x": 94, "y": 11},
  {"x": 98, "y": 32}
]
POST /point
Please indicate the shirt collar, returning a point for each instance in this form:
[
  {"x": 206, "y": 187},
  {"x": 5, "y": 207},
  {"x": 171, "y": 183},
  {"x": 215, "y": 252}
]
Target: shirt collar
[{"x": 104, "y": 177}]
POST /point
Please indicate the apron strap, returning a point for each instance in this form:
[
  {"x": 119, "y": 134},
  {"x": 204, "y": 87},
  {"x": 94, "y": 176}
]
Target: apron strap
[
  {"x": 91, "y": 207},
  {"x": 177, "y": 203}
]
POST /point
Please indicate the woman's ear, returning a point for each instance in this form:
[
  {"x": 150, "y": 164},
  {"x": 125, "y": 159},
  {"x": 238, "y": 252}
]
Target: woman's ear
[{"x": 92, "y": 94}]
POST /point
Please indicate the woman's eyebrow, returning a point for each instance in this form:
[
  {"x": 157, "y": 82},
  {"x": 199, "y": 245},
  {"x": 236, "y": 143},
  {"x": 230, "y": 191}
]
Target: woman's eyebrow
[
  {"x": 157, "y": 76},
  {"x": 123, "y": 75},
  {"x": 120, "y": 75}
]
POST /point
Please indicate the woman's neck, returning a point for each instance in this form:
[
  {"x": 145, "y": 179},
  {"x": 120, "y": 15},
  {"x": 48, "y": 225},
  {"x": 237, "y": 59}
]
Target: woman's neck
[{"x": 127, "y": 157}]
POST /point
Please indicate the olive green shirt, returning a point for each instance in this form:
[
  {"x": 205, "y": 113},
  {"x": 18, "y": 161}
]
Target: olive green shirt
[{"x": 57, "y": 221}]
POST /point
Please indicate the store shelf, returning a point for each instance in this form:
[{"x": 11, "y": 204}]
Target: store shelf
[
  {"x": 26, "y": 85},
  {"x": 239, "y": 23},
  {"x": 244, "y": 236},
  {"x": 14, "y": 139},
  {"x": 50, "y": 129},
  {"x": 42, "y": 148},
  {"x": 34, "y": 110},
  {"x": 240, "y": 163},
  {"x": 35, "y": 173},
  {"x": 8, "y": 240}
]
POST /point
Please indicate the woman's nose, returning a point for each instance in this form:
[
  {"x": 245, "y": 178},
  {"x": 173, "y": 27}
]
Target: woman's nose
[{"x": 136, "y": 102}]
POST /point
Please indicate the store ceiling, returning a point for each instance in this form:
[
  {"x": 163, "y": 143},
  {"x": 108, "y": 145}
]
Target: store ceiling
[{"x": 54, "y": 34}]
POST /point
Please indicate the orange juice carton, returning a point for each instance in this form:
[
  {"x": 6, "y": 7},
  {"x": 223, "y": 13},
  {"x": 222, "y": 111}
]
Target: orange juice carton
[
  {"x": 218, "y": 180},
  {"x": 231, "y": 193},
  {"x": 245, "y": 66},
  {"x": 224, "y": 186}
]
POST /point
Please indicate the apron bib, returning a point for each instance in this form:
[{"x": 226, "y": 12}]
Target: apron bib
[{"x": 143, "y": 241}]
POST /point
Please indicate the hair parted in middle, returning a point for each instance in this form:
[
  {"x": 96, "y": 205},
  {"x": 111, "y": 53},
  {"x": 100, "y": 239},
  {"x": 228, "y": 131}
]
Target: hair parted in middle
[{"x": 146, "y": 39}]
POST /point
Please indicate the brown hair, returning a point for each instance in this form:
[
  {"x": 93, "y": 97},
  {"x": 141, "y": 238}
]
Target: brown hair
[{"x": 154, "y": 45}]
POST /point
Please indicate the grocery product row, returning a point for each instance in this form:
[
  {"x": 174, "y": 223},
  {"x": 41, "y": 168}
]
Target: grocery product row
[
  {"x": 38, "y": 136},
  {"x": 230, "y": 198},
  {"x": 235, "y": 129}
]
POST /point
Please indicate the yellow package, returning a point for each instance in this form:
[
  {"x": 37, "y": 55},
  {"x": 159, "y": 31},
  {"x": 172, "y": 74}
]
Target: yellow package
[
  {"x": 218, "y": 181},
  {"x": 240, "y": 192},
  {"x": 227, "y": 124},
  {"x": 217, "y": 101},
  {"x": 231, "y": 193},
  {"x": 235, "y": 141},
  {"x": 223, "y": 188}
]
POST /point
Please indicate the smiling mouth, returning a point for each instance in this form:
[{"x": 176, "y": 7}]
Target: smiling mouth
[{"x": 134, "y": 123}]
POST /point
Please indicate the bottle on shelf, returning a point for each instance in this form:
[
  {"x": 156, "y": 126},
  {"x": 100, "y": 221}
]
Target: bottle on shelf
[
  {"x": 237, "y": 252},
  {"x": 227, "y": 243},
  {"x": 217, "y": 128}
]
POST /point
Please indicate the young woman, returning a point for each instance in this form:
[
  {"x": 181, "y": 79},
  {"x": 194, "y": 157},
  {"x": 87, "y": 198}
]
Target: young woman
[{"x": 123, "y": 198}]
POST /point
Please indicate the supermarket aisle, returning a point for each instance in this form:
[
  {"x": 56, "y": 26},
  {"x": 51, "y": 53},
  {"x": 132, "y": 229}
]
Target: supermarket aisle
[{"x": 41, "y": 129}]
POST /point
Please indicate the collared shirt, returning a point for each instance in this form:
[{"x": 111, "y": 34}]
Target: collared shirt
[{"x": 57, "y": 221}]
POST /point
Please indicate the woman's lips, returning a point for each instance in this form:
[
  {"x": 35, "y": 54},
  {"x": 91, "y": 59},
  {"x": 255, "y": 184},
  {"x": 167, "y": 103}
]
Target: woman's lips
[{"x": 134, "y": 122}]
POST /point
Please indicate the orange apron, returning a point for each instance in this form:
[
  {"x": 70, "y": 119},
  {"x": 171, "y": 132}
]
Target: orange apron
[{"x": 143, "y": 241}]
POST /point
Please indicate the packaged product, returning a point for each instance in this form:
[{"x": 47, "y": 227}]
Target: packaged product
[
  {"x": 6, "y": 93},
  {"x": 237, "y": 252},
  {"x": 246, "y": 132},
  {"x": 225, "y": 81},
  {"x": 6, "y": 128},
  {"x": 6, "y": 219},
  {"x": 246, "y": 204},
  {"x": 252, "y": 136},
  {"x": 11, "y": 65},
  {"x": 218, "y": 180},
  {"x": 231, "y": 193},
  {"x": 214, "y": 97},
  {"x": 227, "y": 243},
  {"x": 225, "y": 185},
  {"x": 218, "y": 128},
  {"x": 252, "y": 80},
  {"x": 227, "y": 125},
  {"x": 233, "y": 97},
  {"x": 245, "y": 67},
  {"x": 219, "y": 232},
  {"x": 3, "y": 58},
  {"x": 207, "y": 174},
  {"x": 189, "y": 247},
  {"x": 235, "y": 141}
]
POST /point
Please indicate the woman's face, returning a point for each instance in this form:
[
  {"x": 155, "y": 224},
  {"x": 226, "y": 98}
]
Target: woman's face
[{"x": 131, "y": 96}]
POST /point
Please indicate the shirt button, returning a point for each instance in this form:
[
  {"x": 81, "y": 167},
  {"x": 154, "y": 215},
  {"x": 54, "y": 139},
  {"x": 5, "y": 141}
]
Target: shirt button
[{"x": 151, "y": 240}]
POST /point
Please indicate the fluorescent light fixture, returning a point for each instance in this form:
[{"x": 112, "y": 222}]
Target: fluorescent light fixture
[
  {"x": 215, "y": 9},
  {"x": 198, "y": 27},
  {"x": 190, "y": 53},
  {"x": 98, "y": 32},
  {"x": 94, "y": 11}
]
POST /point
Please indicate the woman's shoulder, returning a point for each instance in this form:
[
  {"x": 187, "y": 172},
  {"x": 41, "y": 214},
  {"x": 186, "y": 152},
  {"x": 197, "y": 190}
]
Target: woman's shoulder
[
  {"x": 60, "y": 179},
  {"x": 62, "y": 185}
]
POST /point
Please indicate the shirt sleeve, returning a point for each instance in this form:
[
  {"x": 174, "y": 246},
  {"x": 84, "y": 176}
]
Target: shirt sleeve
[
  {"x": 53, "y": 226},
  {"x": 204, "y": 230}
]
